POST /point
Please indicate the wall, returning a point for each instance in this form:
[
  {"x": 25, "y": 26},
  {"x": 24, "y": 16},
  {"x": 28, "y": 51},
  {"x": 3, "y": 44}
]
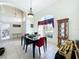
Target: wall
[
  {"x": 11, "y": 15},
  {"x": 64, "y": 9}
]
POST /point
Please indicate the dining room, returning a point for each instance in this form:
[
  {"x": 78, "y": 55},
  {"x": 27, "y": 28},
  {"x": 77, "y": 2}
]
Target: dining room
[{"x": 44, "y": 29}]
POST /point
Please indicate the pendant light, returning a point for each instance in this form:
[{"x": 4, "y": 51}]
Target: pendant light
[{"x": 30, "y": 14}]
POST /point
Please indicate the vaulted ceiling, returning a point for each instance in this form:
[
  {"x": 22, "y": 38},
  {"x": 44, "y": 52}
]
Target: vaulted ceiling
[{"x": 37, "y": 5}]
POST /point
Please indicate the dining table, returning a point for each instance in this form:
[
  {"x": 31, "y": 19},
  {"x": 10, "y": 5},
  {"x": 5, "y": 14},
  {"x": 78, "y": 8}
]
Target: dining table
[{"x": 34, "y": 40}]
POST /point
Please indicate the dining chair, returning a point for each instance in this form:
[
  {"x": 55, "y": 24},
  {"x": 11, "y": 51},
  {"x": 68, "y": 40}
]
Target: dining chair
[
  {"x": 27, "y": 42},
  {"x": 40, "y": 43},
  {"x": 45, "y": 43},
  {"x": 35, "y": 33},
  {"x": 22, "y": 38}
]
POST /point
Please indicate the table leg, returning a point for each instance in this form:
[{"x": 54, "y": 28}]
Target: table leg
[{"x": 33, "y": 50}]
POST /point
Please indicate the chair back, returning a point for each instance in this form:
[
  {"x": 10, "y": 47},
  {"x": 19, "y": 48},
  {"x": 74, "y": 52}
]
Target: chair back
[
  {"x": 35, "y": 33},
  {"x": 40, "y": 42},
  {"x": 25, "y": 39}
]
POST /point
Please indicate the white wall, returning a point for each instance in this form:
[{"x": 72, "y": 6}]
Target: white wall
[
  {"x": 64, "y": 9},
  {"x": 12, "y": 16}
]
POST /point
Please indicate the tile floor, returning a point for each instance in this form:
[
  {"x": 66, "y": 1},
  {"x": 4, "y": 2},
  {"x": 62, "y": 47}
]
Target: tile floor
[{"x": 14, "y": 51}]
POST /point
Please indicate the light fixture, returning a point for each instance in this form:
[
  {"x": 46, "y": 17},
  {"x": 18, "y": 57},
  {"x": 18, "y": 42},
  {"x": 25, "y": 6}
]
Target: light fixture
[{"x": 30, "y": 14}]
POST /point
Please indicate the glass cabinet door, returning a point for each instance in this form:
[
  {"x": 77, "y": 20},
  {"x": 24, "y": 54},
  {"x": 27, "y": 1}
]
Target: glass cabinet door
[{"x": 62, "y": 30}]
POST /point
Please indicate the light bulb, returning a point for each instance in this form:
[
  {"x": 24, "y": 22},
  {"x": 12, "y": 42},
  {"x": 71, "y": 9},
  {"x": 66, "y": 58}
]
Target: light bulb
[{"x": 30, "y": 16}]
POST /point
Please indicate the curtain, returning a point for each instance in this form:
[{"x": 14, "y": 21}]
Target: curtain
[{"x": 45, "y": 22}]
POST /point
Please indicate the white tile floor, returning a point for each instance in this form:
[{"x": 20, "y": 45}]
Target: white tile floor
[{"x": 14, "y": 51}]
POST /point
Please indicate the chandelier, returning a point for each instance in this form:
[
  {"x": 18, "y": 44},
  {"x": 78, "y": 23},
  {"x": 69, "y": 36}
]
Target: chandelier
[{"x": 30, "y": 14}]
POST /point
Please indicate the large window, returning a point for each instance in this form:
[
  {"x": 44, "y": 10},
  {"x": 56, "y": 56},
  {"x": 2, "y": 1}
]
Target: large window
[{"x": 46, "y": 29}]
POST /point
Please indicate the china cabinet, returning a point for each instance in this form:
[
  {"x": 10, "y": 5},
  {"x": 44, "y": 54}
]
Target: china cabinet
[{"x": 63, "y": 30}]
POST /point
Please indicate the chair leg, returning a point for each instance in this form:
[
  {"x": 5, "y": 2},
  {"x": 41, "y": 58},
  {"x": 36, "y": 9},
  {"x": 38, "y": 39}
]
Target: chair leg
[
  {"x": 23, "y": 46},
  {"x": 26, "y": 48},
  {"x": 39, "y": 51},
  {"x": 21, "y": 41},
  {"x": 46, "y": 44},
  {"x": 44, "y": 48}
]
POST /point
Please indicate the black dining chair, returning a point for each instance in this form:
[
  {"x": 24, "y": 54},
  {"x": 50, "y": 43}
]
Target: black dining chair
[
  {"x": 27, "y": 42},
  {"x": 22, "y": 38},
  {"x": 35, "y": 33}
]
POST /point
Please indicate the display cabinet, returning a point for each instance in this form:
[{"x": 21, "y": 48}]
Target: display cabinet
[{"x": 63, "y": 30}]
